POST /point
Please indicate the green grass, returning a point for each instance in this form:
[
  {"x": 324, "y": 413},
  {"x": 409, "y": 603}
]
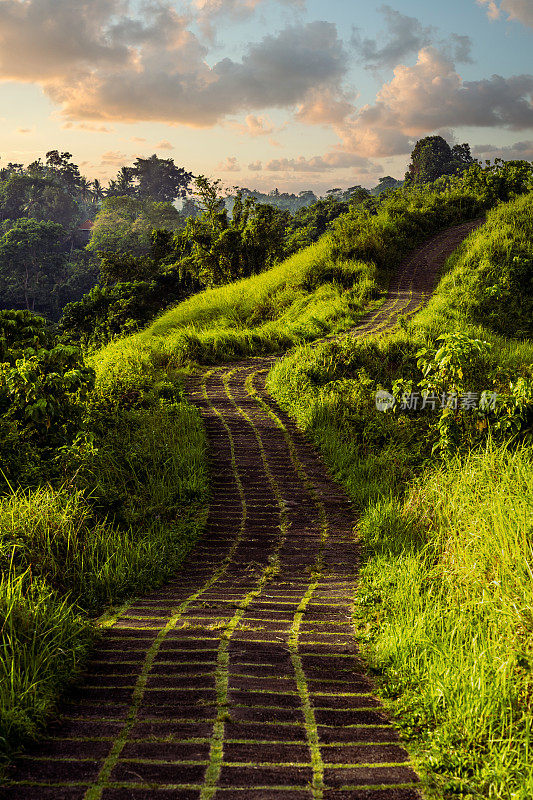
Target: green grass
[
  {"x": 322, "y": 289},
  {"x": 452, "y": 571},
  {"x": 135, "y": 490},
  {"x": 490, "y": 278},
  {"x": 444, "y": 606},
  {"x": 132, "y": 507}
]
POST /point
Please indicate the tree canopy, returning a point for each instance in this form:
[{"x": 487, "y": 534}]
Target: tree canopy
[
  {"x": 124, "y": 225},
  {"x": 152, "y": 178},
  {"x": 433, "y": 157},
  {"x": 30, "y": 260}
]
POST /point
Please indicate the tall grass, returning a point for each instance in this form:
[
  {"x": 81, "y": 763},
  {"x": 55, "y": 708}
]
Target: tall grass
[
  {"x": 133, "y": 505},
  {"x": 322, "y": 289},
  {"x": 444, "y": 606},
  {"x": 453, "y": 568},
  {"x": 43, "y": 641},
  {"x": 489, "y": 280}
]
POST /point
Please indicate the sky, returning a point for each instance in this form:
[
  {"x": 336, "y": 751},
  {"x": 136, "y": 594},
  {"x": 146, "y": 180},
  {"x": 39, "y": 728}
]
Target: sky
[{"x": 292, "y": 94}]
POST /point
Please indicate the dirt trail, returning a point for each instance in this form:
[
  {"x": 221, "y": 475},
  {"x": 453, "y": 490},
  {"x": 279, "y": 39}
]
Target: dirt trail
[{"x": 239, "y": 680}]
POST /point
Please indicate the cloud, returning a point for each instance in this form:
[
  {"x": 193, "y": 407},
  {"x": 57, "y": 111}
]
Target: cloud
[
  {"x": 25, "y": 130},
  {"x": 113, "y": 158},
  {"x": 429, "y": 96},
  {"x": 86, "y": 126},
  {"x": 519, "y": 150},
  {"x": 459, "y": 48},
  {"x": 138, "y": 139},
  {"x": 209, "y": 12},
  {"x": 99, "y": 64},
  {"x": 404, "y": 37},
  {"x": 229, "y": 165},
  {"x": 432, "y": 94},
  {"x": 255, "y": 166},
  {"x": 331, "y": 161},
  {"x": 518, "y": 10},
  {"x": 164, "y": 144},
  {"x": 326, "y": 106},
  {"x": 44, "y": 39},
  {"x": 253, "y": 126}
]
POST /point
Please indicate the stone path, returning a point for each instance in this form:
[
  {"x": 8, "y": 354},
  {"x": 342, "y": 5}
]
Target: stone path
[{"x": 239, "y": 680}]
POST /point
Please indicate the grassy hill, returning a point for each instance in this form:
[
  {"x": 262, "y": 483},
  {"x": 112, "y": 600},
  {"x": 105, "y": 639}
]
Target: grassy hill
[
  {"x": 445, "y": 499},
  {"x": 322, "y": 289},
  {"x": 130, "y": 493}
]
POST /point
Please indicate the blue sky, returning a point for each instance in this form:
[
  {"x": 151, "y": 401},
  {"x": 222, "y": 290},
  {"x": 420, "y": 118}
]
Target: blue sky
[{"x": 264, "y": 93}]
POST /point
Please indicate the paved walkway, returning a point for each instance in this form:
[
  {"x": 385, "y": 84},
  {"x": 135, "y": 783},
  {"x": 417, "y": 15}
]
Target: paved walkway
[{"x": 240, "y": 680}]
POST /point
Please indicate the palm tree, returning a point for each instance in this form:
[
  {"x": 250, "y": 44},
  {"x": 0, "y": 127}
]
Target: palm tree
[
  {"x": 84, "y": 186},
  {"x": 98, "y": 190}
]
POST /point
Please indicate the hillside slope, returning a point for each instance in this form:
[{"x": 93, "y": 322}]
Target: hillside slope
[{"x": 444, "y": 496}]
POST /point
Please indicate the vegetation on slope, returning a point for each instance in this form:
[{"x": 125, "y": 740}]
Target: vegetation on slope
[
  {"x": 124, "y": 503},
  {"x": 321, "y": 289},
  {"x": 106, "y": 494},
  {"x": 444, "y": 606}
]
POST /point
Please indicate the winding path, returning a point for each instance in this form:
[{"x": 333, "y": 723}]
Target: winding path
[{"x": 239, "y": 680}]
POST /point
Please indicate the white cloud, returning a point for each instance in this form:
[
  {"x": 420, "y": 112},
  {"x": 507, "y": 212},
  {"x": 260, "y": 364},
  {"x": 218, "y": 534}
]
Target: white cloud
[
  {"x": 164, "y": 144},
  {"x": 519, "y": 150},
  {"x": 99, "y": 63},
  {"x": 518, "y": 10},
  {"x": 255, "y": 166},
  {"x": 432, "y": 95},
  {"x": 229, "y": 165}
]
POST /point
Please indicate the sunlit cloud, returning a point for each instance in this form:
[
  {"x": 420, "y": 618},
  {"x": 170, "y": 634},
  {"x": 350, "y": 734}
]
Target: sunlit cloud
[
  {"x": 253, "y": 126},
  {"x": 518, "y": 10},
  {"x": 431, "y": 95},
  {"x": 113, "y": 158},
  {"x": 87, "y": 126},
  {"x": 229, "y": 165}
]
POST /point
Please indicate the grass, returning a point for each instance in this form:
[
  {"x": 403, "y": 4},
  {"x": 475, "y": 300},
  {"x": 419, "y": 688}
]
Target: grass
[
  {"x": 452, "y": 570},
  {"x": 322, "y": 289},
  {"x": 135, "y": 490},
  {"x": 133, "y": 506},
  {"x": 444, "y": 608}
]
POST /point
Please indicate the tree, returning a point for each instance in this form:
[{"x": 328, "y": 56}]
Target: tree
[
  {"x": 462, "y": 156},
  {"x": 385, "y": 184},
  {"x": 24, "y": 195},
  {"x": 124, "y": 225},
  {"x": 43, "y": 386},
  {"x": 310, "y": 222},
  {"x": 433, "y": 157},
  {"x": 216, "y": 248},
  {"x": 98, "y": 190},
  {"x": 30, "y": 262},
  {"x": 61, "y": 167},
  {"x": 160, "y": 179}
]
